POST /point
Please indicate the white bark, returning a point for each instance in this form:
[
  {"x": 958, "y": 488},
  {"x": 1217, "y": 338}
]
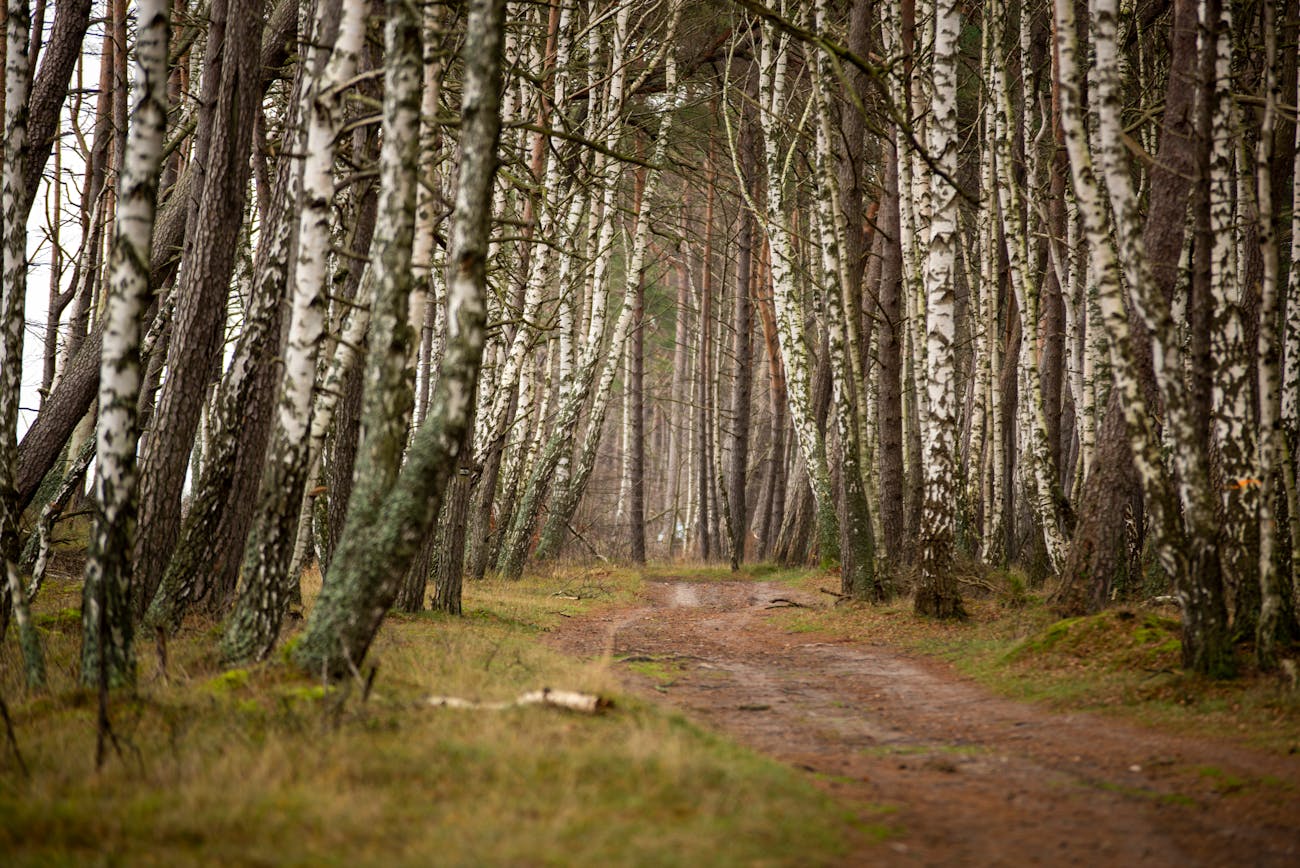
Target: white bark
[
  {"x": 564, "y": 506},
  {"x": 1234, "y": 425},
  {"x": 266, "y": 582},
  {"x": 936, "y": 594},
  {"x": 107, "y": 631},
  {"x": 774, "y": 66},
  {"x": 1008, "y": 198}
]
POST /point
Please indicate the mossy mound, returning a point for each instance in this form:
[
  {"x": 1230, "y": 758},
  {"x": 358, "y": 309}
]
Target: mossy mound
[{"x": 1112, "y": 640}]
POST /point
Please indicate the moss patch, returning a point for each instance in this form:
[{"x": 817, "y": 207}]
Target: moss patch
[{"x": 1119, "y": 639}]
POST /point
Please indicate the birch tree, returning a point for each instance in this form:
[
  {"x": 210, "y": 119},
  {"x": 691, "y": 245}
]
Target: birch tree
[
  {"x": 255, "y": 623},
  {"x": 774, "y": 66},
  {"x": 936, "y": 593},
  {"x": 561, "y": 509},
  {"x": 355, "y": 597},
  {"x": 17, "y": 80},
  {"x": 106, "y": 608}
]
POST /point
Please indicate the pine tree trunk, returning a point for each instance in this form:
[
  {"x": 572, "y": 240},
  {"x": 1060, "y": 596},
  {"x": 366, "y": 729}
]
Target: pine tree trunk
[
  {"x": 741, "y": 388},
  {"x": 450, "y": 571},
  {"x": 890, "y": 402},
  {"x": 677, "y": 435},
  {"x": 215, "y": 525},
  {"x": 77, "y": 385},
  {"x": 703, "y": 379},
  {"x": 231, "y": 84},
  {"x": 636, "y": 433}
]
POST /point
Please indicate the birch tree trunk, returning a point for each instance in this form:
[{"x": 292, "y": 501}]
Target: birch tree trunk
[
  {"x": 1272, "y": 445},
  {"x": 13, "y": 294},
  {"x": 550, "y": 473},
  {"x": 1046, "y": 486},
  {"x": 388, "y": 524},
  {"x": 1206, "y": 643},
  {"x": 857, "y": 539},
  {"x": 255, "y": 623},
  {"x": 936, "y": 593},
  {"x": 106, "y": 607},
  {"x": 1234, "y": 427},
  {"x": 563, "y": 506},
  {"x": 773, "y": 72}
]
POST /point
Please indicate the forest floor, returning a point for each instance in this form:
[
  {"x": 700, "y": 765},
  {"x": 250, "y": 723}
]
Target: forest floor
[
  {"x": 754, "y": 722},
  {"x": 954, "y": 773}
]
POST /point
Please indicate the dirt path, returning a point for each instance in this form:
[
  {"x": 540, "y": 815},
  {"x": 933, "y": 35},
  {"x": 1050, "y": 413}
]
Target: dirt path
[{"x": 975, "y": 779}]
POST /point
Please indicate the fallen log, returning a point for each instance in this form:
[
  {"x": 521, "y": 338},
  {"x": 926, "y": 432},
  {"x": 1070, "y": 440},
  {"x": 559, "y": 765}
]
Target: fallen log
[{"x": 586, "y": 703}]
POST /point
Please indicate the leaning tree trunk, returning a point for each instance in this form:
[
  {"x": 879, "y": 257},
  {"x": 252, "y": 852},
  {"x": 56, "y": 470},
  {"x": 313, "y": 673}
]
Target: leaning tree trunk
[
  {"x": 1127, "y": 424},
  {"x": 255, "y": 623},
  {"x": 106, "y": 610},
  {"x": 240, "y": 417},
  {"x": 231, "y": 84},
  {"x": 387, "y": 525},
  {"x": 551, "y": 469},
  {"x": 564, "y": 506},
  {"x": 774, "y": 70},
  {"x": 1198, "y": 581},
  {"x": 78, "y": 384},
  {"x": 17, "y": 78}
]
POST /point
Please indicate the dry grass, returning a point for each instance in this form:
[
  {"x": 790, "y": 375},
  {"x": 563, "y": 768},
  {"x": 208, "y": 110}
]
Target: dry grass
[{"x": 262, "y": 766}]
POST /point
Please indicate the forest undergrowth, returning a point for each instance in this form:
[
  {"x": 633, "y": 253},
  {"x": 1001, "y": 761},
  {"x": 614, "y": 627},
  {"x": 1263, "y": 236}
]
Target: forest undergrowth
[
  {"x": 260, "y": 765},
  {"x": 230, "y": 764}
]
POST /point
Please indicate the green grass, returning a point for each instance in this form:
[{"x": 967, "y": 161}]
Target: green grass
[
  {"x": 263, "y": 766},
  {"x": 661, "y": 672}
]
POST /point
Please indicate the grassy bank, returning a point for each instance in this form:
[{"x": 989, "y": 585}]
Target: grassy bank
[
  {"x": 261, "y": 766},
  {"x": 1124, "y": 660}
]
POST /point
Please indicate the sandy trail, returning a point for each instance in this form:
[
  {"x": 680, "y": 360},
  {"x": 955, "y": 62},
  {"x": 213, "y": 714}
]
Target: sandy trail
[{"x": 971, "y": 778}]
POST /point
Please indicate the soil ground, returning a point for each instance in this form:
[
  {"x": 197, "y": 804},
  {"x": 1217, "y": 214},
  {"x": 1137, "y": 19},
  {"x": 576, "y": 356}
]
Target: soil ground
[{"x": 957, "y": 775}]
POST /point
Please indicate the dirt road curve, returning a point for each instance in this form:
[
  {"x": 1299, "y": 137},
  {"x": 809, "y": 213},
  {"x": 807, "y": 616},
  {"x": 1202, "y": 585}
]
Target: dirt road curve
[{"x": 975, "y": 779}]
